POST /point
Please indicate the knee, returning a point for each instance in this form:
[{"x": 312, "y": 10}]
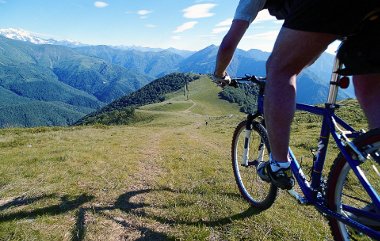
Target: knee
[
  {"x": 280, "y": 64},
  {"x": 281, "y": 71},
  {"x": 268, "y": 64},
  {"x": 271, "y": 65}
]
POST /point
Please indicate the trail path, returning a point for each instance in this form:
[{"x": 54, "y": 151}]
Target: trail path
[
  {"x": 191, "y": 107},
  {"x": 141, "y": 189}
]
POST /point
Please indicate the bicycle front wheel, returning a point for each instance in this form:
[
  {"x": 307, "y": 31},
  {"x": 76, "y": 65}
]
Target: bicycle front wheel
[
  {"x": 346, "y": 195},
  {"x": 250, "y": 146}
]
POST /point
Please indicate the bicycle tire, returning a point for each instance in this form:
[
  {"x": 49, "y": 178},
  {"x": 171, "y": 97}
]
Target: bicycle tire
[
  {"x": 343, "y": 187},
  {"x": 258, "y": 193}
]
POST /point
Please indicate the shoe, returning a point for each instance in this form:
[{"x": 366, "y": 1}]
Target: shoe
[
  {"x": 262, "y": 171},
  {"x": 282, "y": 178}
]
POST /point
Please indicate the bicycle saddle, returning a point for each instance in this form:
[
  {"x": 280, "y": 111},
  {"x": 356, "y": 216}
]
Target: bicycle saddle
[{"x": 360, "y": 52}]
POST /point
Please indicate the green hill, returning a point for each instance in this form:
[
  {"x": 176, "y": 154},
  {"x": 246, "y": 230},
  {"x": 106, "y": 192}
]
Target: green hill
[
  {"x": 123, "y": 108},
  {"x": 165, "y": 176}
]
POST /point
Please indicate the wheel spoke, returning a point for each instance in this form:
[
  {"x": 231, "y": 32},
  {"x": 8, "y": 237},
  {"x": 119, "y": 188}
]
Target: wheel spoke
[
  {"x": 347, "y": 195},
  {"x": 258, "y": 193}
]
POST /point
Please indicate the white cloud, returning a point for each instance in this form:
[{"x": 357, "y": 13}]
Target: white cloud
[
  {"x": 264, "y": 16},
  {"x": 150, "y": 25},
  {"x": 185, "y": 26},
  {"x": 199, "y": 10},
  {"x": 222, "y": 26},
  {"x": 225, "y": 23},
  {"x": 143, "y": 12},
  {"x": 99, "y": 4},
  {"x": 176, "y": 37},
  {"x": 271, "y": 35},
  {"x": 263, "y": 41},
  {"x": 220, "y": 30},
  {"x": 333, "y": 47}
]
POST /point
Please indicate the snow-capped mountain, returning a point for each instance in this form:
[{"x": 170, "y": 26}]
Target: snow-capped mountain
[
  {"x": 23, "y": 35},
  {"x": 20, "y": 34}
]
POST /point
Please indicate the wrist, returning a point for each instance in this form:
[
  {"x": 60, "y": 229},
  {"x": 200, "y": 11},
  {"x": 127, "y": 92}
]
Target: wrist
[{"x": 220, "y": 74}]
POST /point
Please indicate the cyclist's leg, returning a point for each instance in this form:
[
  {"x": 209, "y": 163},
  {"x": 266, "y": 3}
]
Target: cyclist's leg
[
  {"x": 293, "y": 51},
  {"x": 367, "y": 90}
]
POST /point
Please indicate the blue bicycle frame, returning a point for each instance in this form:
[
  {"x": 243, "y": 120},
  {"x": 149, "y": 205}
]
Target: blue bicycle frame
[{"x": 330, "y": 124}]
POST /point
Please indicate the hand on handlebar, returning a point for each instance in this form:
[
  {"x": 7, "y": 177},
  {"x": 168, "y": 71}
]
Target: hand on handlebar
[{"x": 222, "y": 81}]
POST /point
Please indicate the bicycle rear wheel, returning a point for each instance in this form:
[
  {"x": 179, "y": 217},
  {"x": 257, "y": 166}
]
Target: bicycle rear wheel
[
  {"x": 257, "y": 192},
  {"x": 344, "y": 190}
]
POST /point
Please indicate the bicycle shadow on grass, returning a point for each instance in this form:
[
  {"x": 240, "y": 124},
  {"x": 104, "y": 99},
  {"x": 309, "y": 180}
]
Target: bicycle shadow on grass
[
  {"x": 22, "y": 201},
  {"x": 66, "y": 204},
  {"x": 212, "y": 223},
  {"x": 125, "y": 204}
]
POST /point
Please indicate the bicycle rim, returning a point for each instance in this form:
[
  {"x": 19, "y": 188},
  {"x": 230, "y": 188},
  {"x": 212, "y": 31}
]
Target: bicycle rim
[
  {"x": 257, "y": 192},
  {"x": 344, "y": 189}
]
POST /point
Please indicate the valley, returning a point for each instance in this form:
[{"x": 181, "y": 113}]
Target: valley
[{"x": 57, "y": 83}]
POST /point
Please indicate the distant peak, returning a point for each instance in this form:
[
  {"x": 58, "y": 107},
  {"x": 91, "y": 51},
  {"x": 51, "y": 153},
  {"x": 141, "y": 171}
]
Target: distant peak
[
  {"x": 23, "y": 35},
  {"x": 27, "y": 36},
  {"x": 211, "y": 46}
]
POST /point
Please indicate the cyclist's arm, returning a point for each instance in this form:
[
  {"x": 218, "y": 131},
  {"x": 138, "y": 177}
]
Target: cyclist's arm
[
  {"x": 245, "y": 13},
  {"x": 228, "y": 46}
]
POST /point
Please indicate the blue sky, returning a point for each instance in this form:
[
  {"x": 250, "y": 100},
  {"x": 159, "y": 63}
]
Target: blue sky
[{"x": 182, "y": 24}]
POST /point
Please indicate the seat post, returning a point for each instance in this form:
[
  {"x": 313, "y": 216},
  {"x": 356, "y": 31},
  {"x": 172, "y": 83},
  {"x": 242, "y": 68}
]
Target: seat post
[{"x": 333, "y": 91}]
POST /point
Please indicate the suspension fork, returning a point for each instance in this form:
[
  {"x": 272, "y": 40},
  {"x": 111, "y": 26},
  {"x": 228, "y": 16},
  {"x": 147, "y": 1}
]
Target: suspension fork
[{"x": 247, "y": 140}]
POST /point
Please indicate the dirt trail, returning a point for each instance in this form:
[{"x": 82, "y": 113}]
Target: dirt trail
[
  {"x": 135, "y": 225},
  {"x": 126, "y": 219},
  {"x": 132, "y": 223},
  {"x": 191, "y": 107}
]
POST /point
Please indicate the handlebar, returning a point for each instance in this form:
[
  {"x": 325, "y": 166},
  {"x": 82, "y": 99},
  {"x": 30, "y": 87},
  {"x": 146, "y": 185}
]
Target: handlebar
[{"x": 260, "y": 81}]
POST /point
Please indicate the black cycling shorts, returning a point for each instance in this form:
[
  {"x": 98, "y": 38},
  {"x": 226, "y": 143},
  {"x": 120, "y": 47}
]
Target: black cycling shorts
[
  {"x": 361, "y": 52},
  {"x": 340, "y": 17}
]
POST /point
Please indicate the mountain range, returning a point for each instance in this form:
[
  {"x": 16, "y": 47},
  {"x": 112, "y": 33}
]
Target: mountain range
[{"x": 49, "y": 82}]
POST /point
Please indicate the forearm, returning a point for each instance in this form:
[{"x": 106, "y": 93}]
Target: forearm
[
  {"x": 228, "y": 46},
  {"x": 224, "y": 57}
]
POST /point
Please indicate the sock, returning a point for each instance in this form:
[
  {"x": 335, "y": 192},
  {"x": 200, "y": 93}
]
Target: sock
[{"x": 276, "y": 165}]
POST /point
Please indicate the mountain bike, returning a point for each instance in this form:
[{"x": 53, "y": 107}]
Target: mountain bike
[{"x": 348, "y": 196}]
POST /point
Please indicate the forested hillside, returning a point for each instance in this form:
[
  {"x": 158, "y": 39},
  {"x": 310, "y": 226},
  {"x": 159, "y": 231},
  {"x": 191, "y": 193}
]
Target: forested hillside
[
  {"x": 54, "y": 85},
  {"x": 119, "y": 111},
  {"x": 153, "y": 64},
  {"x": 244, "y": 96}
]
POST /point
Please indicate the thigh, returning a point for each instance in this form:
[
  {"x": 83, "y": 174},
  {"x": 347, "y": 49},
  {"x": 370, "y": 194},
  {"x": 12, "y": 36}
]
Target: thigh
[
  {"x": 294, "y": 50},
  {"x": 367, "y": 83}
]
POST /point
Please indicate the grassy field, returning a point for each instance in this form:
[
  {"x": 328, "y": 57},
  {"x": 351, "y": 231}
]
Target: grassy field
[{"x": 168, "y": 177}]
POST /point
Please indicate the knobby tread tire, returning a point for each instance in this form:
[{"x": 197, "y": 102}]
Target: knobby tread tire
[
  {"x": 273, "y": 190},
  {"x": 338, "y": 164}
]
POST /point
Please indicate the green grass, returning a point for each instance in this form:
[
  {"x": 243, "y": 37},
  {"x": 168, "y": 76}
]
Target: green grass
[
  {"x": 170, "y": 106},
  {"x": 167, "y": 177}
]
